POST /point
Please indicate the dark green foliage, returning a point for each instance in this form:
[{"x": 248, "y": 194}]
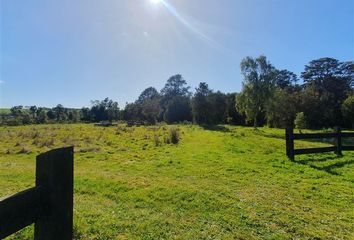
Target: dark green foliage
[
  {"x": 233, "y": 116},
  {"x": 218, "y": 102},
  {"x": 328, "y": 82},
  {"x": 175, "y": 100},
  {"x": 282, "y": 107},
  {"x": 106, "y": 110},
  {"x": 348, "y": 111},
  {"x": 285, "y": 79},
  {"x": 268, "y": 95},
  {"x": 201, "y": 106},
  {"x": 178, "y": 109}
]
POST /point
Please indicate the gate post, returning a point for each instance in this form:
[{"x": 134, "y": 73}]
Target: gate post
[
  {"x": 289, "y": 135},
  {"x": 338, "y": 141},
  {"x": 55, "y": 173}
]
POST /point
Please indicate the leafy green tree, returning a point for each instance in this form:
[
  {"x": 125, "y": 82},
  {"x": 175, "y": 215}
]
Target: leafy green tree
[
  {"x": 16, "y": 111},
  {"x": 201, "y": 106},
  {"x": 41, "y": 115},
  {"x": 258, "y": 84},
  {"x": 133, "y": 113},
  {"x": 148, "y": 94},
  {"x": 33, "y": 111},
  {"x": 348, "y": 110},
  {"x": 149, "y": 105},
  {"x": 175, "y": 100},
  {"x": 233, "y": 116},
  {"x": 300, "y": 121},
  {"x": 51, "y": 115},
  {"x": 282, "y": 108},
  {"x": 105, "y": 110},
  {"x": 74, "y": 116},
  {"x": 112, "y": 109},
  {"x": 60, "y": 113},
  {"x": 175, "y": 86},
  {"x": 285, "y": 79},
  {"x": 328, "y": 82},
  {"x": 85, "y": 114},
  {"x": 218, "y": 108},
  {"x": 150, "y": 110},
  {"x": 178, "y": 109}
]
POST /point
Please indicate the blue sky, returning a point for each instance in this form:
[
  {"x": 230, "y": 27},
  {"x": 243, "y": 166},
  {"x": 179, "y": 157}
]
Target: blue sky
[{"x": 71, "y": 52}]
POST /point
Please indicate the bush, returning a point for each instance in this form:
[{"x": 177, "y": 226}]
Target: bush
[
  {"x": 174, "y": 135},
  {"x": 157, "y": 141},
  {"x": 300, "y": 121}
]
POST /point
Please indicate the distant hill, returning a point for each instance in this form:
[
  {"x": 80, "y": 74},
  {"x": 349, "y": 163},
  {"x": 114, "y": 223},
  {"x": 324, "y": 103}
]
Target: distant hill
[{"x": 4, "y": 110}]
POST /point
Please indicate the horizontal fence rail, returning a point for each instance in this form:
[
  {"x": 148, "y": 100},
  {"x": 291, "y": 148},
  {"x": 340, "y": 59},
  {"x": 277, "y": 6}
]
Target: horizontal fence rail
[
  {"x": 49, "y": 205},
  {"x": 337, "y": 147}
]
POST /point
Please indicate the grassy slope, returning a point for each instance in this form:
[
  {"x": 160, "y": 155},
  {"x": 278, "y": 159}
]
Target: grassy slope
[{"x": 224, "y": 183}]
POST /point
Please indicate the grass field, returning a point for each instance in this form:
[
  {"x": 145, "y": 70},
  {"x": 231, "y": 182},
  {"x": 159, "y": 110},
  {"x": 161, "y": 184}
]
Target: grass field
[{"x": 220, "y": 183}]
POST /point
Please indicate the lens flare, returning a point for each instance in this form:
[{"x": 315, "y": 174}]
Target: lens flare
[
  {"x": 187, "y": 24},
  {"x": 156, "y": 1}
]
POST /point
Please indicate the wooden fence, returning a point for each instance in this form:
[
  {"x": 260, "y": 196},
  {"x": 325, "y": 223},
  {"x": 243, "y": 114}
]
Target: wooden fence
[
  {"x": 337, "y": 147},
  {"x": 49, "y": 205}
]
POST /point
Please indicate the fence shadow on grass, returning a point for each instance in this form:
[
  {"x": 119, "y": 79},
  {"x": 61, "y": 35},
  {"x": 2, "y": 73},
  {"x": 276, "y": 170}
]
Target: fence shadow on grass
[{"x": 328, "y": 168}]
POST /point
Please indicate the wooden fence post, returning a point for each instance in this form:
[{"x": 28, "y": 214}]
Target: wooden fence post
[
  {"x": 55, "y": 173},
  {"x": 290, "y": 143},
  {"x": 338, "y": 141}
]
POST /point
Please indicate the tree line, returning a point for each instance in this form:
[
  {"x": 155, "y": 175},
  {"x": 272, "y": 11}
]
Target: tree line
[{"x": 269, "y": 96}]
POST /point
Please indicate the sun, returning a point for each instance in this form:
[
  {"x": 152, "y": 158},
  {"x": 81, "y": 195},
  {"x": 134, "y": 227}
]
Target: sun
[{"x": 155, "y": 1}]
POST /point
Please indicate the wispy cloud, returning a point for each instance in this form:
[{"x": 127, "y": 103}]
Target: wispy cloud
[{"x": 1, "y": 82}]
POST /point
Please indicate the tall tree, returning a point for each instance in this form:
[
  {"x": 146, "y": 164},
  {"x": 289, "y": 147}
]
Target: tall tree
[
  {"x": 285, "y": 79},
  {"x": 105, "y": 110},
  {"x": 218, "y": 109},
  {"x": 258, "y": 84},
  {"x": 201, "y": 107},
  {"x": 33, "y": 110},
  {"x": 175, "y": 86},
  {"x": 147, "y": 94},
  {"x": 330, "y": 82},
  {"x": 175, "y": 100},
  {"x": 149, "y": 105},
  {"x": 282, "y": 108},
  {"x": 60, "y": 113},
  {"x": 233, "y": 116}
]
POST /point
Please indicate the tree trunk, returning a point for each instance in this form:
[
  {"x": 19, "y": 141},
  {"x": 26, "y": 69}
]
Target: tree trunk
[{"x": 255, "y": 121}]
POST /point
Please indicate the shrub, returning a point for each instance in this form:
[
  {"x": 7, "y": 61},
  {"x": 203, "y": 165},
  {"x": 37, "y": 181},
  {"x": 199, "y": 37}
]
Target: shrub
[
  {"x": 157, "y": 141},
  {"x": 300, "y": 121},
  {"x": 167, "y": 139},
  {"x": 174, "y": 135}
]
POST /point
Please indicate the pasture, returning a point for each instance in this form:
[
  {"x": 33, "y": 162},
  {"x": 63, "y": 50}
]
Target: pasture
[{"x": 223, "y": 182}]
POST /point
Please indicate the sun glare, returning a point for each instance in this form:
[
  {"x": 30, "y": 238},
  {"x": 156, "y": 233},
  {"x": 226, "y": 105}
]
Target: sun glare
[{"x": 156, "y": 1}]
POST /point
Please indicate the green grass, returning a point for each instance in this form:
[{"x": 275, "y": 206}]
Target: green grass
[{"x": 216, "y": 183}]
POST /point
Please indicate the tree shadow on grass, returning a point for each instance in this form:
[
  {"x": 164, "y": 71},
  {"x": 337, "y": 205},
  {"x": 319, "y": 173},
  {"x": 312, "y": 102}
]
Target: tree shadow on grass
[
  {"x": 217, "y": 128},
  {"x": 329, "y": 168}
]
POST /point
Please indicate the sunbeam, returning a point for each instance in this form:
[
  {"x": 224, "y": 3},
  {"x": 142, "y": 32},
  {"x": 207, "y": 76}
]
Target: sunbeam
[{"x": 192, "y": 28}]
